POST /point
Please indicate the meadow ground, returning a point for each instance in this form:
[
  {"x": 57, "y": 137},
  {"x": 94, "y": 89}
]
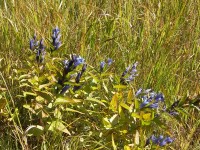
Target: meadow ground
[{"x": 162, "y": 36}]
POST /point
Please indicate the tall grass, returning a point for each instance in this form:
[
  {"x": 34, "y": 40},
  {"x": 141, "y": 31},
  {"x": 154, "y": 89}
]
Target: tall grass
[{"x": 163, "y": 36}]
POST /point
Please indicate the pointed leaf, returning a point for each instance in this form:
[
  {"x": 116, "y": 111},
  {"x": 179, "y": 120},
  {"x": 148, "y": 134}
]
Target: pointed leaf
[
  {"x": 34, "y": 130},
  {"x": 114, "y": 102},
  {"x": 46, "y": 95},
  {"x": 95, "y": 100},
  {"x": 72, "y": 110},
  {"x": 106, "y": 123},
  {"x": 65, "y": 100},
  {"x": 113, "y": 143},
  {"x": 58, "y": 126},
  {"x": 125, "y": 106}
]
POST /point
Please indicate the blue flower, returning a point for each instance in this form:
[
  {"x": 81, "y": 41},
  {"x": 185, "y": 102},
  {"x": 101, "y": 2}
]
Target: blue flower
[
  {"x": 132, "y": 74},
  {"x": 173, "y": 113},
  {"x": 41, "y": 45},
  {"x": 83, "y": 69},
  {"x": 150, "y": 99},
  {"x": 161, "y": 141},
  {"x": 154, "y": 105},
  {"x": 65, "y": 88},
  {"x": 78, "y": 77},
  {"x": 126, "y": 71},
  {"x": 102, "y": 65},
  {"x": 56, "y": 38},
  {"x": 78, "y": 60},
  {"x": 159, "y": 97},
  {"x": 33, "y": 43},
  {"x": 138, "y": 92},
  {"x": 40, "y": 54},
  {"x": 166, "y": 141},
  {"x": 144, "y": 104},
  {"x": 133, "y": 69},
  {"x": 110, "y": 61}
]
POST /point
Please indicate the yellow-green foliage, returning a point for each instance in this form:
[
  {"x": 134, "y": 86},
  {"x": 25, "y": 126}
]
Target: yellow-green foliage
[{"x": 163, "y": 36}]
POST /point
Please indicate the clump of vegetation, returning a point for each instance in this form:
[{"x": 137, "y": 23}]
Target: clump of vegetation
[{"x": 115, "y": 79}]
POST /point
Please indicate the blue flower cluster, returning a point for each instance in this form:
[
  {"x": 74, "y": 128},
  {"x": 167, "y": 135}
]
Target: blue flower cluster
[
  {"x": 160, "y": 140},
  {"x": 149, "y": 98},
  {"x": 39, "y": 48},
  {"x": 33, "y": 43},
  {"x": 56, "y": 38},
  {"x": 130, "y": 72},
  {"x": 103, "y": 63},
  {"x": 70, "y": 66}
]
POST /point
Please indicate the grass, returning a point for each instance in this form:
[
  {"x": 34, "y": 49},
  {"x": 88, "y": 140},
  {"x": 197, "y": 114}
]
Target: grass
[{"x": 163, "y": 36}]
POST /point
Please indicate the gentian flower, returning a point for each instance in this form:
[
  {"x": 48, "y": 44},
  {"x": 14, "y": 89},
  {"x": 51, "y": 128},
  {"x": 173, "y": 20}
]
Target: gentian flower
[
  {"x": 78, "y": 77},
  {"x": 161, "y": 141},
  {"x": 78, "y": 60},
  {"x": 102, "y": 65},
  {"x": 40, "y": 54},
  {"x": 173, "y": 113},
  {"x": 77, "y": 81},
  {"x": 150, "y": 99},
  {"x": 56, "y": 38},
  {"x": 143, "y": 104},
  {"x": 70, "y": 65},
  {"x": 33, "y": 43},
  {"x": 126, "y": 71},
  {"x": 159, "y": 97},
  {"x": 65, "y": 88},
  {"x": 41, "y": 46},
  {"x": 132, "y": 74},
  {"x": 166, "y": 141},
  {"x": 133, "y": 69},
  {"x": 154, "y": 105},
  {"x": 110, "y": 61},
  {"x": 83, "y": 69},
  {"x": 138, "y": 92}
]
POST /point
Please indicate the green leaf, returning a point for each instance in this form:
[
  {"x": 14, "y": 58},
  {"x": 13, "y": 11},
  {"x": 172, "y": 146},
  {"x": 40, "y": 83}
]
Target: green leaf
[
  {"x": 27, "y": 106},
  {"x": 72, "y": 110},
  {"x": 65, "y": 100},
  {"x": 29, "y": 93},
  {"x": 34, "y": 130},
  {"x": 125, "y": 106},
  {"x": 130, "y": 96},
  {"x": 114, "y": 102},
  {"x": 95, "y": 100},
  {"x": 184, "y": 99},
  {"x": 126, "y": 147},
  {"x": 113, "y": 143},
  {"x": 2, "y": 102},
  {"x": 45, "y": 85},
  {"x": 137, "y": 105},
  {"x": 114, "y": 119},
  {"x": 58, "y": 126},
  {"x": 46, "y": 95},
  {"x": 120, "y": 86},
  {"x": 105, "y": 87},
  {"x": 147, "y": 123},
  {"x": 135, "y": 115},
  {"x": 106, "y": 123}
]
